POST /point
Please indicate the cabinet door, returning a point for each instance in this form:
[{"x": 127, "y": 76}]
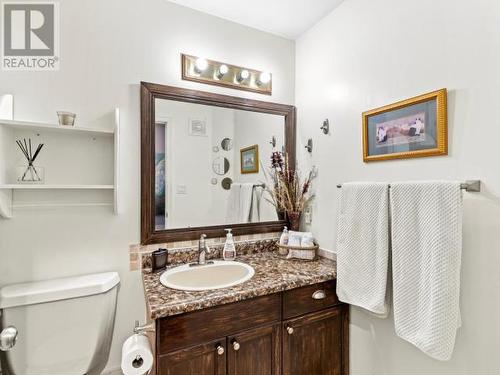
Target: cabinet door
[
  {"x": 255, "y": 352},
  {"x": 317, "y": 343},
  {"x": 205, "y": 359}
]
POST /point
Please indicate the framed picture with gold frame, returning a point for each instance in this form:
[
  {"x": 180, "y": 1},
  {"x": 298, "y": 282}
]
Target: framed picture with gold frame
[
  {"x": 249, "y": 159},
  {"x": 411, "y": 128}
]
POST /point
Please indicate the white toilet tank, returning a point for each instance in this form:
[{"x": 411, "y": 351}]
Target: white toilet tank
[{"x": 65, "y": 326}]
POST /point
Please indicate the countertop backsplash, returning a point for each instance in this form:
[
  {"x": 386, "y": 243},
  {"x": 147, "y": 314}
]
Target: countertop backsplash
[{"x": 187, "y": 251}]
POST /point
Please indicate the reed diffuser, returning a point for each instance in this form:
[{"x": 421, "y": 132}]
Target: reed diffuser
[{"x": 30, "y": 173}]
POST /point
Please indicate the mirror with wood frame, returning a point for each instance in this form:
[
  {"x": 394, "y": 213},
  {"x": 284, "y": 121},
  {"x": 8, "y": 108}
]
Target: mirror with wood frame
[{"x": 204, "y": 159}]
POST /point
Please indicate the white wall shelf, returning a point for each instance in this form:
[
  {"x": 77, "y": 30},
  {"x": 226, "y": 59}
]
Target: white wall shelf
[
  {"x": 81, "y": 164},
  {"x": 56, "y": 187},
  {"x": 40, "y": 126}
]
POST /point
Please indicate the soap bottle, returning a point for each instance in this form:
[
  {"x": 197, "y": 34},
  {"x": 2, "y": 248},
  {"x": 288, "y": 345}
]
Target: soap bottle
[
  {"x": 284, "y": 237},
  {"x": 229, "y": 252},
  {"x": 282, "y": 249}
]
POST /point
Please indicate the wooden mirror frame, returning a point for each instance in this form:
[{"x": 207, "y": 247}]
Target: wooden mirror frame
[{"x": 152, "y": 91}]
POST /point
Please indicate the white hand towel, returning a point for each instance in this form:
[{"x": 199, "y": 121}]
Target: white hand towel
[
  {"x": 256, "y": 200},
  {"x": 233, "y": 204},
  {"x": 246, "y": 194},
  {"x": 363, "y": 246},
  {"x": 426, "y": 257}
]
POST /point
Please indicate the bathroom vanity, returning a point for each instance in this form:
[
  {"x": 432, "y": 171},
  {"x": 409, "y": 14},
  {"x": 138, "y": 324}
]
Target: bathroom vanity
[{"x": 285, "y": 320}]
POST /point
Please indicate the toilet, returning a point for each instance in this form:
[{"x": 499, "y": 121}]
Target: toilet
[{"x": 64, "y": 326}]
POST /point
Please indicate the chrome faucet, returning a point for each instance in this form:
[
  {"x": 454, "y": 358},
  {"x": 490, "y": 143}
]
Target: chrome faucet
[
  {"x": 202, "y": 252},
  {"x": 202, "y": 249}
]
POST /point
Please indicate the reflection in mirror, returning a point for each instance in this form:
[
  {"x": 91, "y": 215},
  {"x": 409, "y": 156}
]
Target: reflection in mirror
[
  {"x": 226, "y": 144},
  {"x": 185, "y": 164},
  {"x": 220, "y": 166},
  {"x": 226, "y": 183}
]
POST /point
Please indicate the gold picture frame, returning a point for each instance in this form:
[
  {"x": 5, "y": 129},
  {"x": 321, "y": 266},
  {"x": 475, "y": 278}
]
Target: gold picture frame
[
  {"x": 412, "y": 128},
  {"x": 249, "y": 159}
]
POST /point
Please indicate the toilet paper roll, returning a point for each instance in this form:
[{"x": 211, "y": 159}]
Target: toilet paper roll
[{"x": 137, "y": 357}]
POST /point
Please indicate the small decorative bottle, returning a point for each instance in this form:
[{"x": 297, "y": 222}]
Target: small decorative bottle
[
  {"x": 283, "y": 241},
  {"x": 229, "y": 252}
]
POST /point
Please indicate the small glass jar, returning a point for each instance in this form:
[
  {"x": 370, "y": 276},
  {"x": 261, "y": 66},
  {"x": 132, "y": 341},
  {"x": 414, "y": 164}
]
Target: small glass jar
[{"x": 30, "y": 174}]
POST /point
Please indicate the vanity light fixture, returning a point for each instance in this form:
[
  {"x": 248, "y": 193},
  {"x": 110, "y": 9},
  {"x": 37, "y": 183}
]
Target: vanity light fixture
[
  {"x": 222, "y": 71},
  {"x": 200, "y": 65},
  {"x": 199, "y": 69},
  {"x": 243, "y": 75}
]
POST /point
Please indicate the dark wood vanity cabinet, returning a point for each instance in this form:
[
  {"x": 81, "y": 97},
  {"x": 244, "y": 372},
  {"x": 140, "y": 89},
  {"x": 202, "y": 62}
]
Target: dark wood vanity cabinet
[
  {"x": 200, "y": 359},
  {"x": 255, "y": 352},
  {"x": 302, "y": 331},
  {"x": 314, "y": 344}
]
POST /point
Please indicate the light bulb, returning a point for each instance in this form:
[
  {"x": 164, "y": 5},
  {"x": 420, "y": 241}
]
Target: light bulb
[
  {"x": 264, "y": 78},
  {"x": 244, "y": 74},
  {"x": 200, "y": 64},
  {"x": 223, "y": 69}
]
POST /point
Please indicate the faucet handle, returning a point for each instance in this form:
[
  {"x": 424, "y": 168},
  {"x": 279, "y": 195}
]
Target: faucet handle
[{"x": 203, "y": 236}]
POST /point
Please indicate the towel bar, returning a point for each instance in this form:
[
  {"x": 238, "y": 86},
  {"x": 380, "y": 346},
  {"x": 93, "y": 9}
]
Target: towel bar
[{"x": 471, "y": 186}]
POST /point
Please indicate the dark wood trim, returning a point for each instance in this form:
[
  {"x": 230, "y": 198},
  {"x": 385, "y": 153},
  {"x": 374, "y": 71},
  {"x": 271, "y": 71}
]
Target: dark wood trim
[
  {"x": 152, "y": 91},
  {"x": 345, "y": 340}
]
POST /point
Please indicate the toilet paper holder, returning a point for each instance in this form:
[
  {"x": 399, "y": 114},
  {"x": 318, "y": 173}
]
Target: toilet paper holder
[
  {"x": 138, "y": 329},
  {"x": 142, "y": 330}
]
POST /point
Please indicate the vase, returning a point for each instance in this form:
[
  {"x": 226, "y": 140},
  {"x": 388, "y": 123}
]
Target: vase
[
  {"x": 31, "y": 174},
  {"x": 281, "y": 214},
  {"x": 294, "y": 220}
]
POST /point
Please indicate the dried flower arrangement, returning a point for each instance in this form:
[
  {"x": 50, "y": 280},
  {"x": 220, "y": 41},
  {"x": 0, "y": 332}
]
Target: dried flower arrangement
[{"x": 289, "y": 193}]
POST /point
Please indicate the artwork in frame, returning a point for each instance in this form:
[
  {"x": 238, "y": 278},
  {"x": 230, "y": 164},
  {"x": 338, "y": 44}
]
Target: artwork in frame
[
  {"x": 249, "y": 159},
  {"x": 412, "y": 128}
]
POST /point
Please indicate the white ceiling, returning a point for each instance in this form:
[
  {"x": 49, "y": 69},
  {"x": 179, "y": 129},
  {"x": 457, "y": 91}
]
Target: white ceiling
[{"x": 287, "y": 18}]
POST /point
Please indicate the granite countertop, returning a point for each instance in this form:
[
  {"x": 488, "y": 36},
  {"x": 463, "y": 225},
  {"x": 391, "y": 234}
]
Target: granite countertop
[{"x": 272, "y": 274}]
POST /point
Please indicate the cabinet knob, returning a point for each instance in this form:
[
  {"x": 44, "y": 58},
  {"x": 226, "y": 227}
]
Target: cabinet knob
[
  {"x": 319, "y": 294},
  {"x": 236, "y": 345},
  {"x": 289, "y": 330},
  {"x": 220, "y": 349}
]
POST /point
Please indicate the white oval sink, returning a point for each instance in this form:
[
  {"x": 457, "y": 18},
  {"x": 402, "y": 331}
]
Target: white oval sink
[{"x": 220, "y": 274}]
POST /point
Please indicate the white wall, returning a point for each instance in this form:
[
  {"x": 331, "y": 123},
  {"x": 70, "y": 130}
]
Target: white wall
[
  {"x": 366, "y": 54},
  {"x": 107, "y": 48}
]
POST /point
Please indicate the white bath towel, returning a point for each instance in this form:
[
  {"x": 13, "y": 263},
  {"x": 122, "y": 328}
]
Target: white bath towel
[
  {"x": 239, "y": 203},
  {"x": 426, "y": 257},
  {"x": 363, "y": 246}
]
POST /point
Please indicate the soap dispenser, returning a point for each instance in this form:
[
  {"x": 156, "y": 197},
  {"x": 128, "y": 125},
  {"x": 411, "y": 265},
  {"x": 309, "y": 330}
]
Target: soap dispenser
[
  {"x": 282, "y": 249},
  {"x": 284, "y": 237},
  {"x": 229, "y": 252}
]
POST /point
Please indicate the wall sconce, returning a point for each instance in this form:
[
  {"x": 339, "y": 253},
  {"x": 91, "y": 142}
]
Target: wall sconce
[{"x": 199, "y": 69}]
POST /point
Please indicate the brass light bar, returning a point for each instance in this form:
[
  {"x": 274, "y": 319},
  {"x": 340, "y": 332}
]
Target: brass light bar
[{"x": 221, "y": 74}]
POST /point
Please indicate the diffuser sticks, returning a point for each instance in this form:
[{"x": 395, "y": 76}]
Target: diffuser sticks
[{"x": 30, "y": 174}]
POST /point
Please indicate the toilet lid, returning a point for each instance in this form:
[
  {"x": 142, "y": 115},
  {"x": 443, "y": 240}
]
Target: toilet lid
[{"x": 57, "y": 289}]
